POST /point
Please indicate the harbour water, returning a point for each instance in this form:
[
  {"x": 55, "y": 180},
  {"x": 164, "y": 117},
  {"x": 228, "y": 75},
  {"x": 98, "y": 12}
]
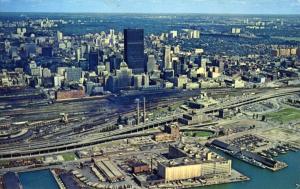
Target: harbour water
[
  {"x": 266, "y": 179},
  {"x": 260, "y": 178},
  {"x": 42, "y": 179}
]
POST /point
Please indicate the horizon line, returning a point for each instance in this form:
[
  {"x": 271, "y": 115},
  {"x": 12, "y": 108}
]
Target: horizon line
[{"x": 157, "y": 13}]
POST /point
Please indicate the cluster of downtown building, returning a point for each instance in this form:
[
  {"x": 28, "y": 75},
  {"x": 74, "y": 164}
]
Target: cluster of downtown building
[{"x": 111, "y": 62}]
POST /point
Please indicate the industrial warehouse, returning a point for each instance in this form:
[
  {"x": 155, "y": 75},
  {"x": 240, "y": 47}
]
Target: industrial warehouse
[
  {"x": 111, "y": 171},
  {"x": 189, "y": 162},
  {"x": 185, "y": 168}
]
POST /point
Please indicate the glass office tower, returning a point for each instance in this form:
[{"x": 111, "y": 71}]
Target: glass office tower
[{"x": 134, "y": 49}]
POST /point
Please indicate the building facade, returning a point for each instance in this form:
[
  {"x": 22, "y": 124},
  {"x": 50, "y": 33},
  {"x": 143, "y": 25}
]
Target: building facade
[
  {"x": 134, "y": 49},
  {"x": 188, "y": 170}
]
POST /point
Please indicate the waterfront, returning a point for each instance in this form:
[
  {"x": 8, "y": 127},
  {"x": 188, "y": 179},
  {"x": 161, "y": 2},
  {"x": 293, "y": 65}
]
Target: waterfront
[
  {"x": 38, "y": 179},
  {"x": 263, "y": 178},
  {"x": 260, "y": 178}
]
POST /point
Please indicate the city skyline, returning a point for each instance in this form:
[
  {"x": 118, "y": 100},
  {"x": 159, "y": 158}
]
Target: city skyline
[
  {"x": 149, "y": 94},
  {"x": 155, "y": 6}
]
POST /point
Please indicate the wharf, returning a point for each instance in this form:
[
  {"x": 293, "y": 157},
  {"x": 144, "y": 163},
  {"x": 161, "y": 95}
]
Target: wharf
[{"x": 233, "y": 178}]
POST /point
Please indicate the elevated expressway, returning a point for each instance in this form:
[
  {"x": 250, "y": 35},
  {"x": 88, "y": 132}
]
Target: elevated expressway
[{"x": 53, "y": 146}]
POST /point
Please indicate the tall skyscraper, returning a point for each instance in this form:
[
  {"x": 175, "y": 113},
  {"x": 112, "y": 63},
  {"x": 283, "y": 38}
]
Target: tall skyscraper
[
  {"x": 134, "y": 49},
  {"x": 151, "y": 64},
  {"x": 112, "y": 37},
  {"x": 177, "y": 67},
  {"x": 194, "y": 34},
  {"x": 78, "y": 54},
  {"x": 59, "y": 36},
  {"x": 93, "y": 61},
  {"x": 173, "y": 34},
  {"x": 167, "y": 58},
  {"x": 204, "y": 63}
]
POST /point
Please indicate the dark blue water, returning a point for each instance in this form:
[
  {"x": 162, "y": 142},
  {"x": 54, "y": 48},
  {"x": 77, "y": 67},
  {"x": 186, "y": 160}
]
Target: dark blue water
[
  {"x": 265, "y": 179},
  {"x": 42, "y": 179}
]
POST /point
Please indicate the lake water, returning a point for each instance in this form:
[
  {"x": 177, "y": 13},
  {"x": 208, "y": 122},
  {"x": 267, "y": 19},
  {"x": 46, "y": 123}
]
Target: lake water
[
  {"x": 42, "y": 179},
  {"x": 265, "y": 179}
]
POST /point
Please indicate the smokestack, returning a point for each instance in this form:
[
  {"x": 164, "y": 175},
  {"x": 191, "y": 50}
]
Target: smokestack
[
  {"x": 151, "y": 166},
  {"x": 144, "y": 110},
  {"x": 138, "y": 111}
]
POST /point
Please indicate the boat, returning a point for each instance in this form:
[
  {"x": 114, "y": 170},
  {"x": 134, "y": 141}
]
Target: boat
[
  {"x": 273, "y": 153},
  {"x": 285, "y": 147},
  {"x": 263, "y": 154},
  {"x": 280, "y": 150},
  {"x": 293, "y": 149}
]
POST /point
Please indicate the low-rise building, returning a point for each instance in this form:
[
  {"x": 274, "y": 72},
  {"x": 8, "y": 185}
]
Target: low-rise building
[
  {"x": 193, "y": 118},
  {"x": 69, "y": 94},
  {"x": 109, "y": 169},
  {"x": 139, "y": 167},
  {"x": 171, "y": 133}
]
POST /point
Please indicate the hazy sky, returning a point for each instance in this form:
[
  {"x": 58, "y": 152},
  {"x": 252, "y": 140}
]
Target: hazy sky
[{"x": 154, "y": 6}]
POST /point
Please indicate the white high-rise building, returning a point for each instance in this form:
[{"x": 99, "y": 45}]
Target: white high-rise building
[
  {"x": 177, "y": 49},
  {"x": 151, "y": 64},
  {"x": 112, "y": 37},
  {"x": 236, "y": 30},
  {"x": 167, "y": 58},
  {"x": 78, "y": 54},
  {"x": 174, "y": 33},
  {"x": 196, "y": 34},
  {"x": 59, "y": 36},
  {"x": 146, "y": 80}
]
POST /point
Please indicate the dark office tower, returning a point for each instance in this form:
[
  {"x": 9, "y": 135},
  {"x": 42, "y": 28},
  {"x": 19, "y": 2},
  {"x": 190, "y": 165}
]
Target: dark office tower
[
  {"x": 298, "y": 52},
  {"x": 198, "y": 60},
  {"x": 115, "y": 61},
  {"x": 177, "y": 67},
  {"x": 93, "y": 61},
  {"x": 101, "y": 53},
  {"x": 219, "y": 63},
  {"x": 134, "y": 49},
  {"x": 47, "y": 51}
]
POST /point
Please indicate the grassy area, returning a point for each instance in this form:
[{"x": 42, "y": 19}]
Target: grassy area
[
  {"x": 277, "y": 132},
  {"x": 69, "y": 156},
  {"x": 285, "y": 115},
  {"x": 199, "y": 134}
]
